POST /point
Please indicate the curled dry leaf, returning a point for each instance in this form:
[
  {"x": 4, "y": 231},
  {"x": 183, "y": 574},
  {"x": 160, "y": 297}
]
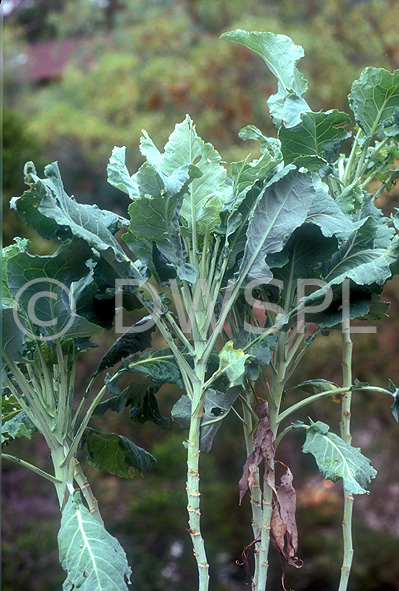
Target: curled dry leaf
[
  {"x": 263, "y": 450},
  {"x": 284, "y": 533}
]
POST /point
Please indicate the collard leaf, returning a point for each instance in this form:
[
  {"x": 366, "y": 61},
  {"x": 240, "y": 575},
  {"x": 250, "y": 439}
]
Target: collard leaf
[
  {"x": 232, "y": 362},
  {"x": 186, "y": 148},
  {"x": 118, "y": 174},
  {"x": 134, "y": 340},
  {"x": 53, "y": 214},
  {"x": 216, "y": 407},
  {"x": 160, "y": 365},
  {"x": 395, "y": 405},
  {"x": 91, "y": 557},
  {"x": 281, "y": 56},
  {"x": 13, "y": 334},
  {"x": 281, "y": 209},
  {"x": 267, "y": 145},
  {"x": 116, "y": 454},
  {"x": 43, "y": 286},
  {"x": 17, "y": 425},
  {"x": 337, "y": 459},
  {"x": 374, "y": 99},
  {"x": 140, "y": 396},
  {"x": 319, "y": 135}
]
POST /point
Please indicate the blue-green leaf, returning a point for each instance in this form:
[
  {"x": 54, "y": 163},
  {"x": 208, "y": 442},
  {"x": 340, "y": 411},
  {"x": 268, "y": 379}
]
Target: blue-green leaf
[
  {"x": 337, "y": 459},
  {"x": 91, "y": 557},
  {"x": 374, "y": 99}
]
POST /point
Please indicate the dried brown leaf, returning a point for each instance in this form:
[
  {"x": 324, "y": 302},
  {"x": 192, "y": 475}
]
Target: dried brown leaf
[{"x": 263, "y": 450}]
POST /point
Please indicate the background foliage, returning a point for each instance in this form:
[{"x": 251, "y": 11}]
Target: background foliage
[{"x": 145, "y": 65}]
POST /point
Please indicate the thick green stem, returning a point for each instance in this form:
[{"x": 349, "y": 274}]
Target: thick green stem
[
  {"x": 85, "y": 487},
  {"x": 192, "y": 486},
  {"x": 346, "y": 436},
  {"x": 256, "y": 493}
]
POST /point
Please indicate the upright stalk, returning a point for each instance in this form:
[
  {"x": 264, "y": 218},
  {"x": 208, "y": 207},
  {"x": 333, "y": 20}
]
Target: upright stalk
[
  {"x": 192, "y": 486},
  {"x": 346, "y": 436}
]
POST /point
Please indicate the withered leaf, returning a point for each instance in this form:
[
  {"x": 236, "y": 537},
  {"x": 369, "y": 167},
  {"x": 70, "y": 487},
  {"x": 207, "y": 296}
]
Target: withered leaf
[
  {"x": 284, "y": 532},
  {"x": 263, "y": 450}
]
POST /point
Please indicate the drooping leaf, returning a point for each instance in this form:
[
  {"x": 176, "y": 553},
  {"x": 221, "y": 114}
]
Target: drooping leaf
[
  {"x": 160, "y": 365},
  {"x": 140, "y": 396},
  {"x": 284, "y": 532},
  {"x": 281, "y": 209},
  {"x": 281, "y": 56},
  {"x": 91, "y": 557},
  {"x": 53, "y": 214},
  {"x": 216, "y": 407},
  {"x": 337, "y": 459},
  {"x": 374, "y": 99},
  {"x": 318, "y": 135},
  {"x": 116, "y": 454},
  {"x": 395, "y": 405},
  {"x": 232, "y": 362},
  {"x": 134, "y": 340},
  {"x": 42, "y": 285},
  {"x": 263, "y": 451}
]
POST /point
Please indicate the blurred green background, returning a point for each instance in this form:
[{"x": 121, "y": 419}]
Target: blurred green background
[{"x": 84, "y": 75}]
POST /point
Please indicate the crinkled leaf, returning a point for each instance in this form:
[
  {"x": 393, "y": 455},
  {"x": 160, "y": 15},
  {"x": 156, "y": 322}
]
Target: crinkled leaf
[
  {"x": 319, "y": 135},
  {"x": 263, "y": 451},
  {"x": 91, "y": 557},
  {"x": 351, "y": 197},
  {"x": 43, "y": 286},
  {"x": 216, "y": 407},
  {"x": 160, "y": 365},
  {"x": 140, "y": 396},
  {"x": 269, "y": 146},
  {"x": 17, "y": 425},
  {"x": 281, "y": 209},
  {"x": 337, "y": 459},
  {"x": 374, "y": 99},
  {"x": 53, "y": 214},
  {"x": 134, "y": 340},
  {"x": 185, "y": 149},
  {"x": 116, "y": 454},
  {"x": 232, "y": 362}
]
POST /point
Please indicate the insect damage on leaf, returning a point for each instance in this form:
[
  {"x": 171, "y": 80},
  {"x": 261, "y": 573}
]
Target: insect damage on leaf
[
  {"x": 284, "y": 532},
  {"x": 263, "y": 450}
]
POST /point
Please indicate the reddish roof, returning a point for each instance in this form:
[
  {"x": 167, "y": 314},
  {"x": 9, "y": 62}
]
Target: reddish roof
[{"x": 47, "y": 60}]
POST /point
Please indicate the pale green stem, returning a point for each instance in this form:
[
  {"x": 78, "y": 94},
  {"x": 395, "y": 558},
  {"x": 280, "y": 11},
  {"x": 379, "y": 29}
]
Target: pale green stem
[
  {"x": 31, "y": 467},
  {"x": 192, "y": 486},
  {"x": 85, "y": 487},
  {"x": 346, "y": 436},
  {"x": 256, "y": 493}
]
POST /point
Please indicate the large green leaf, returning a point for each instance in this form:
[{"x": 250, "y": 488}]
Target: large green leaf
[
  {"x": 374, "y": 99},
  {"x": 155, "y": 214},
  {"x": 281, "y": 209},
  {"x": 53, "y": 214},
  {"x": 337, "y": 459},
  {"x": 185, "y": 148},
  {"x": 216, "y": 407},
  {"x": 318, "y": 135},
  {"x": 281, "y": 56},
  {"x": 116, "y": 454},
  {"x": 91, "y": 557},
  {"x": 160, "y": 365},
  {"x": 42, "y": 285},
  {"x": 367, "y": 259}
]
